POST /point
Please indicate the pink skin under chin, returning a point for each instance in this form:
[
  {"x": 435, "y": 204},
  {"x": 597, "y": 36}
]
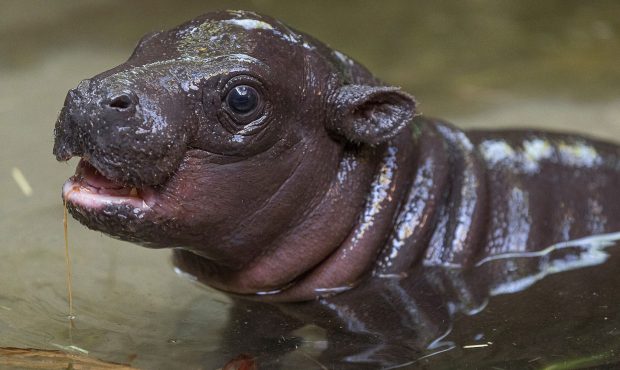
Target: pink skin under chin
[{"x": 89, "y": 189}]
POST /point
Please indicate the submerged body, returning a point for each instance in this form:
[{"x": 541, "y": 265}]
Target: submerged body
[{"x": 282, "y": 170}]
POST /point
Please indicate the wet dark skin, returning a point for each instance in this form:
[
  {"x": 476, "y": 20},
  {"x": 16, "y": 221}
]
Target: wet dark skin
[{"x": 280, "y": 169}]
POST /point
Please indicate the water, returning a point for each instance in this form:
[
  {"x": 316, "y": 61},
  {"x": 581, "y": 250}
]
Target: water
[{"x": 480, "y": 64}]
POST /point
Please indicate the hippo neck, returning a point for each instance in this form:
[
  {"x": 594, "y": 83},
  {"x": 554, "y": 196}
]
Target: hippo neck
[
  {"x": 426, "y": 204},
  {"x": 354, "y": 256}
]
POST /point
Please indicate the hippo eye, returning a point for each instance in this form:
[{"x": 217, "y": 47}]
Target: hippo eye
[
  {"x": 243, "y": 99},
  {"x": 244, "y": 107}
]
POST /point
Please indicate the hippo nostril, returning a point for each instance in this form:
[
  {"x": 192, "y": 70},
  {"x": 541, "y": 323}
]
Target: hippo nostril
[{"x": 121, "y": 102}]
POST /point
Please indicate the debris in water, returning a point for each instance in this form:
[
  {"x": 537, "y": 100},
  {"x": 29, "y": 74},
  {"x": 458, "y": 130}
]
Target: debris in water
[
  {"x": 69, "y": 277},
  {"x": 70, "y": 348},
  {"x": 21, "y": 181},
  {"x": 475, "y": 346},
  {"x": 241, "y": 362},
  {"x": 31, "y": 358}
]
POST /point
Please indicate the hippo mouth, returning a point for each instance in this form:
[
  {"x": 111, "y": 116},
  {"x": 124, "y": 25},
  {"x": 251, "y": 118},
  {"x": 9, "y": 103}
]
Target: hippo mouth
[{"x": 90, "y": 189}]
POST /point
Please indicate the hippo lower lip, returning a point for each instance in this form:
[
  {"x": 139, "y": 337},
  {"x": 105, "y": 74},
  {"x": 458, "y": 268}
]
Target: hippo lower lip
[{"x": 90, "y": 189}]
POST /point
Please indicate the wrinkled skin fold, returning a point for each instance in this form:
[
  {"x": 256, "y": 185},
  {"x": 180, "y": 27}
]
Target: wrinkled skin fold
[{"x": 279, "y": 169}]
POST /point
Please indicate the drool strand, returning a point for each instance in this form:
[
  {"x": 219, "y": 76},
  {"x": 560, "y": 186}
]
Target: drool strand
[{"x": 69, "y": 276}]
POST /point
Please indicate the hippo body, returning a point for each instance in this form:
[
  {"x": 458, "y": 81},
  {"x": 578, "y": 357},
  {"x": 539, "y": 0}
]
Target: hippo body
[{"x": 281, "y": 170}]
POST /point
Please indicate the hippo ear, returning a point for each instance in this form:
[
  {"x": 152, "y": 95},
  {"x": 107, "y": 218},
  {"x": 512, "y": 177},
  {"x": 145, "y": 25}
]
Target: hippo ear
[{"x": 371, "y": 114}]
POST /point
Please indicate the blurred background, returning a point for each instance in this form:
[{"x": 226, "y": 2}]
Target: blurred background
[{"x": 484, "y": 63}]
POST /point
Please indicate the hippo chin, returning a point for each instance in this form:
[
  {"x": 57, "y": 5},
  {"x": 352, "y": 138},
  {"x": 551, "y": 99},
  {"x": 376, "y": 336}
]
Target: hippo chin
[{"x": 280, "y": 169}]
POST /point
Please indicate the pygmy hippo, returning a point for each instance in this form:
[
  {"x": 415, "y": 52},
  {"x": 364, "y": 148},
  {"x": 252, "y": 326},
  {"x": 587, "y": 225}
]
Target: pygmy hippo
[{"x": 280, "y": 169}]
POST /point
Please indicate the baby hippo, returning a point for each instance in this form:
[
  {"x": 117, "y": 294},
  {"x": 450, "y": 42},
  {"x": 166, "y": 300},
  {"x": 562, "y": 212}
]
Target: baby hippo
[{"x": 282, "y": 170}]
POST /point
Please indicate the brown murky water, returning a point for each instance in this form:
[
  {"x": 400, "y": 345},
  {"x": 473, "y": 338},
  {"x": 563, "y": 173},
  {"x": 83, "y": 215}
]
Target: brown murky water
[{"x": 550, "y": 64}]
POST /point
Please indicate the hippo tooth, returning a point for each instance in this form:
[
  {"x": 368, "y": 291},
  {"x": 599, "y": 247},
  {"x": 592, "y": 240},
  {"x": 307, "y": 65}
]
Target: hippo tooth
[{"x": 133, "y": 192}]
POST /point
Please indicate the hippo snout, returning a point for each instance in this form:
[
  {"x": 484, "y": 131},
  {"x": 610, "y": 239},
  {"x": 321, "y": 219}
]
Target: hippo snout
[
  {"x": 85, "y": 112},
  {"x": 105, "y": 122}
]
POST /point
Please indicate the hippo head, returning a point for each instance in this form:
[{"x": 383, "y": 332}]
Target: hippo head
[{"x": 219, "y": 135}]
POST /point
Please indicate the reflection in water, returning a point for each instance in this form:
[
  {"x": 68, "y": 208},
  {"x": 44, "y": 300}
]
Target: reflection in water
[{"x": 398, "y": 321}]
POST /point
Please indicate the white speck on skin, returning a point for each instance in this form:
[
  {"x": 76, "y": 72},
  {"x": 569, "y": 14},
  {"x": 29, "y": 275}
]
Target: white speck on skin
[
  {"x": 496, "y": 151},
  {"x": 534, "y": 151},
  {"x": 537, "y": 149},
  {"x": 579, "y": 155},
  {"x": 343, "y": 58},
  {"x": 250, "y": 24},
  {"x": 308, "y": 46}
]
